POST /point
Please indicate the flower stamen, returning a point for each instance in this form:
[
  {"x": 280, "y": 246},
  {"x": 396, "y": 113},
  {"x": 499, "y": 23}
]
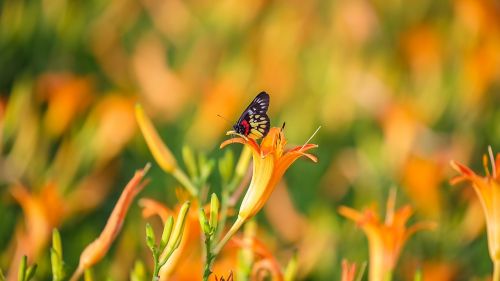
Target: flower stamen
[
  {"x": 310, "y": 138},
  {"x": 492, "y": 159}
]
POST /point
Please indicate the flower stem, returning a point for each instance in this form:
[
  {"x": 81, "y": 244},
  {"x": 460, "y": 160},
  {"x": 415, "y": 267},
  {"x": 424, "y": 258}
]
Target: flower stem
[
  {"x": 236, "y": 226},
  {"x": 207, "y": 271},
  {"x": 185, "y": 181},
  {"x": 496, "y": 270}
]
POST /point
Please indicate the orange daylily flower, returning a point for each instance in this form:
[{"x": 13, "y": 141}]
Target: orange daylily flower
[
  {"x": 96, "y": 250},
  {"x": 42, "y": 212},
  {"x": 385, "y": 238},
  {"x": 270, "y": 163},
  {"x": 488, "y": 191}
]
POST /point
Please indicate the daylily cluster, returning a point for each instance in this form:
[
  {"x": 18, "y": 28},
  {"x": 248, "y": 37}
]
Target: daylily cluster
[{"x": 270, "y": 161}]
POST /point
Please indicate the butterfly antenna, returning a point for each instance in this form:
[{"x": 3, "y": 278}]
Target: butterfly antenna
[
  {"x": 315, "y": 132},
  {"x": 283, "y": 126},
  {"x": 224, "y": 118}
]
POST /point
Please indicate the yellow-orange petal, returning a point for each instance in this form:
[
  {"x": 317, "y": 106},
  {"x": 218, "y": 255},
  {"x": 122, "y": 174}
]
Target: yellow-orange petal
[
  {"x": 250, "y": 142},
  {"x": 269, "y": 143},
  {"x": 160, "y": 151},
  {"x": 231, "y": 141}
]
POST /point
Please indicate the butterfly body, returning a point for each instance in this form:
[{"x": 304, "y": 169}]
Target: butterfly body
[{"x": 254, "y": 122}]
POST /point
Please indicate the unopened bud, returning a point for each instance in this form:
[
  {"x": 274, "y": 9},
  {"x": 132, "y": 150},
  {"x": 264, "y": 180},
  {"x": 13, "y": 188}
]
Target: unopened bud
[
  {"x": 167, "y": 230},
  {"x": 214, "y": 211}
]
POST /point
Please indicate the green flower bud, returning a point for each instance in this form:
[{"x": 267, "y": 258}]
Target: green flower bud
[
  {"x": 176, "y": 237},
  {"x": 214, "y": 211},
  {"x": 30, "y": 273},
  {"x": 21, "y": 276},
  {"x": 150, "y": 237},
  {"x": 167, "y": 230},
  {"x": 204, "y": 222}
]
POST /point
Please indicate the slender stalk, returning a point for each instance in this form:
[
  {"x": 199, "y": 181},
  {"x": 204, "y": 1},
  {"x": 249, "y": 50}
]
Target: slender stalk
[
  {"x": 236, "y": 226},
  {"x": 156, "y": 270},
  {"x": 496, "y": 270},
  {"x": 185, "y": 181},
  {"x": 207, "y": 270},
  {"x": 223, "y": 214}
]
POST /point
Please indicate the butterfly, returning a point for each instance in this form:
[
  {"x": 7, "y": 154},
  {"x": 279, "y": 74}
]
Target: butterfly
[{"x": 254, "y": 122}]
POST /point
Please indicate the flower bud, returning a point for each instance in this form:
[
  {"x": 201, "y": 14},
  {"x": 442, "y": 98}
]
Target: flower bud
[
  {"x": 160, "y": 151},
  {"x": 205, "y": 226},
  {"x": 214, "y": 211},
  {"x": 150, "y": 237},
  {"x": 167, "y": 230},
  {"x": 176, "y": 237}
]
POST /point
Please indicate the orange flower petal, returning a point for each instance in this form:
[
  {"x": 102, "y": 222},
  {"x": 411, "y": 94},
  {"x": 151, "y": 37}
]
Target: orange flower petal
[{"x": 96, "y": 250}]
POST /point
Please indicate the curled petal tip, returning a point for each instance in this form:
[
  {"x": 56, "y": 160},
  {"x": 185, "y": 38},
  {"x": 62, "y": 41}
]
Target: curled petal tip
[
  {"x": 461, "y": 168},
  {"x": 230, "y": 141}
]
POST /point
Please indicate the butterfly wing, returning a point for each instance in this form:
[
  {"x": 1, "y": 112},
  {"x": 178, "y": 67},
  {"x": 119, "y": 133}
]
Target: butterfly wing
[
  {"x": 259, "y": 125},
  {"x": 259, "y": 105},
  {"x": 254, "y": 122}
]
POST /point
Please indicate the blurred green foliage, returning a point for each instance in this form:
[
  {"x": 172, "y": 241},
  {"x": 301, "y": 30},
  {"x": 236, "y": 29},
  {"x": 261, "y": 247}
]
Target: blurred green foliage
[{"x": 399, "y": 88}]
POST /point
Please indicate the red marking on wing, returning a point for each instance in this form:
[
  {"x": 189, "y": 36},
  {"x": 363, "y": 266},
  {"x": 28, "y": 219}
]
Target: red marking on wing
[{"x": 246, "y": 125}]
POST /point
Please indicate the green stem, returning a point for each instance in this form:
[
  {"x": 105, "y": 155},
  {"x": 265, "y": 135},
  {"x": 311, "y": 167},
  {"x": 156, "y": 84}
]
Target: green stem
[
  {"x": 185, "y": 181},
  {"x": 207, "y": 271},
  {"x": 223, "y": 214},
  {"x": 236, "y": 226},
  {"x": 156, "y": 270},
  {"x": 496, "y": 271}
]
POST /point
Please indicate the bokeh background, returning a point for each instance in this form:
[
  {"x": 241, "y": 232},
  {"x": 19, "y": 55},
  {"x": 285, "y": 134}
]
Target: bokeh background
[{"x": 399, "y": 89}]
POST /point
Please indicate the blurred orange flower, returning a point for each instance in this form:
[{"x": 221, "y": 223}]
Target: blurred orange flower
[
  {"x": 422, "y": 177},
  {"x": 386, "y": 239},
  {"x": 270, "y": 162},
  {"x": 488, "y": 191},
  {"x": 96, "y": 250},
  {"x": 67, "y": 96},
  {"x": 42, "y": 212}
]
